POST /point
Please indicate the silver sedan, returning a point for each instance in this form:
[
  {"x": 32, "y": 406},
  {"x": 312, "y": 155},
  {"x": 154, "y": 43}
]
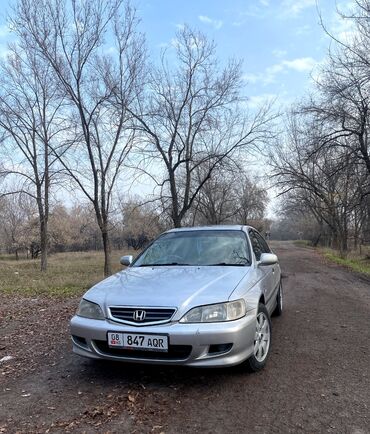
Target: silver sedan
[{"x": 195, "y": 296}]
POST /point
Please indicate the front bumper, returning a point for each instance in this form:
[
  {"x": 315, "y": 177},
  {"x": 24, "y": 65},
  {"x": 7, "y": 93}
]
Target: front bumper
[{"x": 89, "y": 339}]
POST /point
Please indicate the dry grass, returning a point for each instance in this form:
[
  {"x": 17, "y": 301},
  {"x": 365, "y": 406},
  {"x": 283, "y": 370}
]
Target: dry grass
[
  {"x": 302, "y": 243},
  {"x": 354, "y": 261},
  {"x": 69, "y": 274}
]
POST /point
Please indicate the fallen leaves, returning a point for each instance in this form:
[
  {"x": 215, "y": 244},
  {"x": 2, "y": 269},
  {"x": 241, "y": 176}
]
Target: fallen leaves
[
  {"x": 6, "y": 359},
  {"x": 27, "y": 347},
  {"x": 38, "y": 350},
  {"x": 131, "y": 398},
  {"x": 100, "y": 414}
]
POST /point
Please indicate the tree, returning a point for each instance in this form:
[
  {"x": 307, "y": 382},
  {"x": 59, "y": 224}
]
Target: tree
[
  {"x": 342, "y": 100},
  {"x": 141, "y": 222},
  {"x": 18, "y": 231},
  {"x": 229, "y": 196},
  {"x": 252, "y": 201},
  {"x": 74, "y": 228},
  {"x": 99, "y": 84},
  {"x": 216, "y": 202},
  {"x": 321, "y": 182},
  {"x": 194, "y": 118},
  {"x": 29, "y": 118}
]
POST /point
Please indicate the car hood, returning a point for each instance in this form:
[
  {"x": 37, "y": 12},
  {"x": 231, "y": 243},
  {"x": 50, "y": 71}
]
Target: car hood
[{"x": 175, "y": 286}]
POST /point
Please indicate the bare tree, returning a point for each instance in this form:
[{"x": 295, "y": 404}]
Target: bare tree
[
  {"x": 19, "y": 228},
  {"x": 30, "y": 124},
  {"x": 229, "y": 196},
  {"x": 325, "y": 168},
  {"x": 98, "y": 81},
  {"x": 216, "y": 202},
  {"x": 252, "y": 201},
  {"x": 321, "y": 182},
  {"x": 140, "y": 222},
  {"x": 193, "y": 117},
  {"x": 341, "y": 101}
]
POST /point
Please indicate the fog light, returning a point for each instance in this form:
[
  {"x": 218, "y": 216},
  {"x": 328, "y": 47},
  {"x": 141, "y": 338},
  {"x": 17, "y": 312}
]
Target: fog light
[
  {"x": 219, "y": 349},
  {"x": 79, "y": 341}
]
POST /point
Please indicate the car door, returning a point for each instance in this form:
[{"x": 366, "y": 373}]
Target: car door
[{"x": 260, "y": 246}]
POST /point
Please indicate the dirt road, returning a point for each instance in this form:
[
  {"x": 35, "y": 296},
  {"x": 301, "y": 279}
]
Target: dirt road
[{"x": 317, "y": 379}]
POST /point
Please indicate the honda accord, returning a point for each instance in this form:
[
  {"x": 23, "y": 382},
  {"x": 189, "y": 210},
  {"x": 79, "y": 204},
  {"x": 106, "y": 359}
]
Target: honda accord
[{"x": 195, "y": 296}]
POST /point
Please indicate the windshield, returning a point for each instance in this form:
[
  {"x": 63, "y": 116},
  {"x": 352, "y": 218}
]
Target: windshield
[{"x": 219, "y": 247}]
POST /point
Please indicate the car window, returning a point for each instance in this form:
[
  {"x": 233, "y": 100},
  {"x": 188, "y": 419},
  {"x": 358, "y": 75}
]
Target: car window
[
  {"x": 264, "y": 246},
  {"x": 257, "y": 249},
  {"x": 200, "y": 247}
]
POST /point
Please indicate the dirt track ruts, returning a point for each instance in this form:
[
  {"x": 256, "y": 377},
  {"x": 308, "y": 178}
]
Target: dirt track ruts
[{"x": 317, "y": 379}]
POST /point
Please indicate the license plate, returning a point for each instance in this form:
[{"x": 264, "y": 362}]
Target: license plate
[{"x": 144, "y": 341}]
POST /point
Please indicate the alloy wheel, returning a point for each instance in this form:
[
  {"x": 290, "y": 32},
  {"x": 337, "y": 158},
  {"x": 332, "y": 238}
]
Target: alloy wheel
[{"x": 262, "y": 337}]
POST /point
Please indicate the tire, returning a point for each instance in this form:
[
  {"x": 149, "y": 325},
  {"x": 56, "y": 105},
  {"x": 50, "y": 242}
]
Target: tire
[
  {"x": 262, "y": 342},
  {"x": 279, "y": 302}
]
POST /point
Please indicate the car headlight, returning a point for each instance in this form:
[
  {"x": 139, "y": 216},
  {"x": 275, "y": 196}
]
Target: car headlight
[
  {"x": 89, "y": 309},
  {"x": 220, "y": 312}
]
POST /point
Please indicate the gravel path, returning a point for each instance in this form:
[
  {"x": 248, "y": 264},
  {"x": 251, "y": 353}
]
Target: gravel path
[{"x": 317, "y": 379}]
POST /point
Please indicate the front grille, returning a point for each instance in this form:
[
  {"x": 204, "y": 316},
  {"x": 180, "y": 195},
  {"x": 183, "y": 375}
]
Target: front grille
[
  {"x": 152, "y": 315},
  {"x": 175, "y": 352}
]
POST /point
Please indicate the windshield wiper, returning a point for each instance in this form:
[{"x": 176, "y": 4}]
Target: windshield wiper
[
  {"x": 224, "y": 264},
  {"x": 161, "y": 264},
  {"x": 227, "y": 264}
]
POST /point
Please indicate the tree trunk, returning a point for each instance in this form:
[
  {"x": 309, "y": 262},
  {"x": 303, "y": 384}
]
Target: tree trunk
[
  {"x": 43, "y": 221},
  {"x": 176, "y": 222},
  {"x": 107, "y": 253},
  {"x": 366, "y": 230},
  {"x": 334, "y": 239},
  {"x": 316, "y": 242},
  {"x": 356, "y": 230},
  {"x": 343, "y": 246},
  {"x": 343, "y": 237},
  {"x": 44, "y": 244}
]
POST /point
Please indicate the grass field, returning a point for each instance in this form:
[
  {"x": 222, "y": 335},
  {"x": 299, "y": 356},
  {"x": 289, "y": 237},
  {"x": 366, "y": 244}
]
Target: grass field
[
  {"x": 353, "y": 261},
  {"x": 69, "y": 274}
]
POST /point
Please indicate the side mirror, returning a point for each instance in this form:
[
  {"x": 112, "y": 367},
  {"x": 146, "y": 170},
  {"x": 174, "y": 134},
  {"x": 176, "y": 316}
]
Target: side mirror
[
  {"x": 126, "y": 260},
  {"x": 268, "y": 259}
]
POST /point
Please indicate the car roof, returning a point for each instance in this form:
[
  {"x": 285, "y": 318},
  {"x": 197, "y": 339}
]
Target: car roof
[{"x": 211, "y": 228}]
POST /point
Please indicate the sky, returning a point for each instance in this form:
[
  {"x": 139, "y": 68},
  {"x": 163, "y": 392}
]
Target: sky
[{"x": 280, "y": 42}]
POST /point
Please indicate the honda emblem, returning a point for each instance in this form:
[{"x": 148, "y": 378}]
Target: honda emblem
[{"x": 139, "y": 315}]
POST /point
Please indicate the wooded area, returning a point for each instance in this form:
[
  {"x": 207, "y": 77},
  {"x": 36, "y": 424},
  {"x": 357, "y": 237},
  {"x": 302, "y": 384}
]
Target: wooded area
[
  {"x": 323, "y": 164},
  {"x": 76, "y": 115},
  {"x": 84, "y": 110}
]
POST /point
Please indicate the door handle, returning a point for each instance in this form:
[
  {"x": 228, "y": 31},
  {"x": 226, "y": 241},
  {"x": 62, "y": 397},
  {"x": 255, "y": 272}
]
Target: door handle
[{"x": 273, "y": 269}]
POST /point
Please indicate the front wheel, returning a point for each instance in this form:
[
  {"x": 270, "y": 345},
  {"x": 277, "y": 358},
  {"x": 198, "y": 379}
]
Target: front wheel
[{"x": 262, "y": 340}]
